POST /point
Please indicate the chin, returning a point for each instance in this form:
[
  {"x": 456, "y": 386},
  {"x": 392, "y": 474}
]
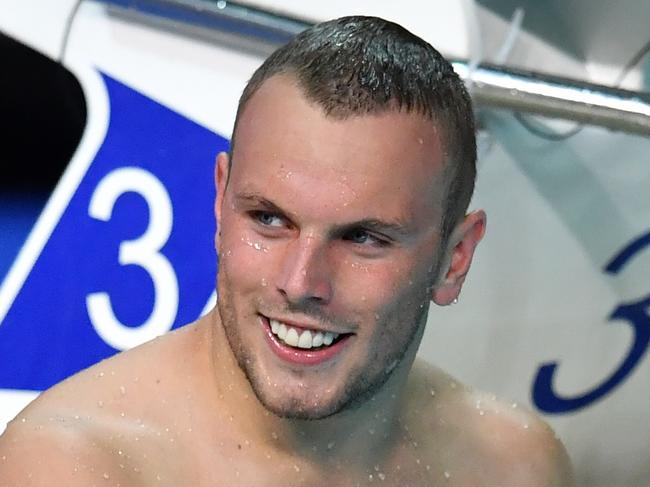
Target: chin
[
  {"x": 300, "y": 401},
  {"x": 299, "y": 410},
  {"x": 295, "y": 401}
]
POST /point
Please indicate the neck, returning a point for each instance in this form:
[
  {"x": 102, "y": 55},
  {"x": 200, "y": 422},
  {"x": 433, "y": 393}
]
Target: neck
[{"x": 367, "y": 432}]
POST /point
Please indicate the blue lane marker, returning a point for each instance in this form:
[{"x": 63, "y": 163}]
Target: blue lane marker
[{"x": 47, "y": 333}]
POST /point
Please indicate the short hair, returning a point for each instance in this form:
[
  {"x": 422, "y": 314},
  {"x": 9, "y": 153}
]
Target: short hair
[{"x": 361, "y": 65}]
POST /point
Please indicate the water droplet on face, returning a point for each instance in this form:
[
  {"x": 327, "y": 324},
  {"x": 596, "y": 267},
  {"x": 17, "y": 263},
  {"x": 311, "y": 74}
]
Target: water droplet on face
[
  {"x": 264, "y": 283},
  {"x": 514, "y": 405},
  {"x": 432, "y": 392},
  {"x": 255, "y": 245},
  {"x": 526, "y": 426},
  {"x": 123, "y": 390},
  {"x": 106, "y": 476},
  {"x": 296, "y": 468},
  {"x": 447, "y": 475},
  {"x": 381, "y": 476},
  {"x": 100, "y": 404},
  {"x": 330, "y": 445}
]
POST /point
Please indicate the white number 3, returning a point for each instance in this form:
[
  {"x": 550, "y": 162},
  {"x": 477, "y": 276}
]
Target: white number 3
[{"x": 143, "y": 251}]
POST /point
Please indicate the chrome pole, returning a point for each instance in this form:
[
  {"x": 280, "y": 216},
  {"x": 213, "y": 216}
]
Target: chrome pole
[{"x": 492, "y": 86}]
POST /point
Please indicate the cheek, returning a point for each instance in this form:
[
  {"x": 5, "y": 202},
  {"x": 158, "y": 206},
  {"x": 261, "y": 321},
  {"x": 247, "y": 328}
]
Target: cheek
[
  {"x": 243, "y": 258},
  {"x": 379, "y": 286}
]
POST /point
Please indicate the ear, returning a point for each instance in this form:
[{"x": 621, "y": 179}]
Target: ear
[
  {"x": 221, "y": 169},
  {"x": 457, "y": 257}
]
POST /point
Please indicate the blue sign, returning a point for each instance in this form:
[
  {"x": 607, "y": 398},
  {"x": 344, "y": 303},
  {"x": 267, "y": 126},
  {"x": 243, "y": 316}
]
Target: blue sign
[
  {"x": 132, "y": 255},
  {"x": 637, "y": 315}
]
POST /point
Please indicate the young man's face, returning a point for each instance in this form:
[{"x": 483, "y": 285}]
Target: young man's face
[{"x": 330, "y": 226}]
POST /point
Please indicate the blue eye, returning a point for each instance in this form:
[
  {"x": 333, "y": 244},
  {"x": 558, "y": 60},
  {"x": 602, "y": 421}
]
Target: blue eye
[
  {"x": 358, "y": 236},
  {"x": 268, "y": 219},
  {"x": 362, "y": 237}
]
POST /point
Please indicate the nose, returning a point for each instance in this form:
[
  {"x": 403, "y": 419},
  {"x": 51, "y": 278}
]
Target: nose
[{"x": 305, "y": 276}]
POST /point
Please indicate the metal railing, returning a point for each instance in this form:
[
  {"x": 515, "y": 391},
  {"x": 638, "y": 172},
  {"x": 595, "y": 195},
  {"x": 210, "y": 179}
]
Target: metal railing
[{"x": 492, "y": 86}]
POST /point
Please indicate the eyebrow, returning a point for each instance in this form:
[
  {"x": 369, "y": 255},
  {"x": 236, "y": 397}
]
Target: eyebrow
[
  {"x": 396, "y": 227},
  {"x": 257, "y": 200},
  {"x": 380, "y": 226}
]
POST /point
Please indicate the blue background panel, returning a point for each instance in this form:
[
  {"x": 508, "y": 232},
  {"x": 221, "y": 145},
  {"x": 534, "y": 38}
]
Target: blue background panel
[{"x": 47, "y": 334}]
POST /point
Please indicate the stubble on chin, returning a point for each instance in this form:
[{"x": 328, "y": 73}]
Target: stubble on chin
[{"x": 363, "y": 382}]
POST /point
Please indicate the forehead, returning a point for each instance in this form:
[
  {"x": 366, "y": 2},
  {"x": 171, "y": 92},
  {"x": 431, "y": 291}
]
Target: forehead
[{"x": 392, "y": 156}]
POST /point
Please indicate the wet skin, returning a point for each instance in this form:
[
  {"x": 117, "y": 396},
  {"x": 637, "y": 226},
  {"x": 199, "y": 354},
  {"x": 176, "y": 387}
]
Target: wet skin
[
  {"x": 326, "y": 224},
  {"x": 332, "y": 226}
]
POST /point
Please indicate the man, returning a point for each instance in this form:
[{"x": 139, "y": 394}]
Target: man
[{"x": 341, "y": 215}]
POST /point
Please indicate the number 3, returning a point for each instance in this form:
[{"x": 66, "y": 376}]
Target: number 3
[
  {"x": 637, "y": 315},
  {"x": 143, "y": 251}
]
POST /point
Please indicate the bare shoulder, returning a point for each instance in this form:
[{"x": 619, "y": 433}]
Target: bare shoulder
[
  {"x": 75, "y": 433},
  {"x": 522, "y": 448},
  {"x": 489, "y": 441},
  {"x": 37, "y": 452}
]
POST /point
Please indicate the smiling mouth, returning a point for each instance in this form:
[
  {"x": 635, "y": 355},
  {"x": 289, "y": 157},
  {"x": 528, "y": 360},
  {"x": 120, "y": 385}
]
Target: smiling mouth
[
  {"x": 294, "y": 345},
  {"x": 302, "y": 338}
]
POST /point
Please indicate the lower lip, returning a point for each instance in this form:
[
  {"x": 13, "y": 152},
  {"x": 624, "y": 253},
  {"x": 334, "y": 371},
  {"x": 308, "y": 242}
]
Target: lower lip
[{"x": 304, "y": 356}]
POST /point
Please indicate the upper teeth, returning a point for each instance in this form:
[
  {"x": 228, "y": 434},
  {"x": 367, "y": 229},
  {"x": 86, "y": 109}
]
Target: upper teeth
[{"x": 305, "y": 339}]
